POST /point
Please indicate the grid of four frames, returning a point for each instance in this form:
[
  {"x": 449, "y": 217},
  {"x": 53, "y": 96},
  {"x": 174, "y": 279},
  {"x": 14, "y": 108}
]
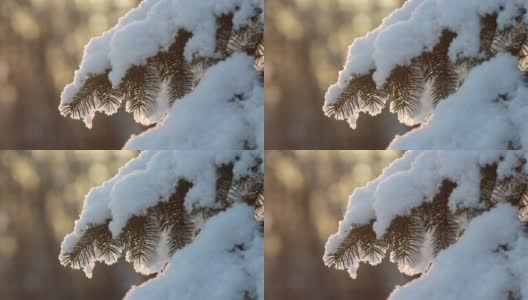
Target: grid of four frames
[{"x": 180, "y": 86}]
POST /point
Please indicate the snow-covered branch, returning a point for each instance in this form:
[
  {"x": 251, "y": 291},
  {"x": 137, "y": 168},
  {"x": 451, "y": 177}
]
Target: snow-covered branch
[
  {"x": 421, "y": 204},
  {"x": 453, "y": 66}
]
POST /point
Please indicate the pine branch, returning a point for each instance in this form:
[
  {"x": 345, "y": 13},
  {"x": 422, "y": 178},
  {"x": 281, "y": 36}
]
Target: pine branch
[
  {"x": 488, "y": 180},
  {"x": 249, "y": 39},
  {"x": 140, "y": 238},
  {"x": 175, "y": 69},
  {"x": 108, "y": 246},
  {"x": 372, "y": 247},
  {"x": 96, "y": 92},
  {"x": 174, "y": 219},
  {"x": 181, "y": 232},
  {"x": 249, "y": 190},
  {"x": 404, "y": 238},
  {"x": 523, "y": 55},
  {"x": 223, "y": 33},
  {"x": 224, "y": 180},
  {"x": 140, "y": 88},
  {"x": 96, "y": 241},
  {"x": 255, "y": 197},
  {"x": 513, "y": 190},
  {"x": 438, "y": 68},
  {"x": 360, "y": 240},
  {"x": 359, "y": 89},
  {"x": 405, "y": 235},
  {"x": 255, "y": 47},
  {"x": 512, "y": 39},
  {"x": 445, "y": 232},
  {"x": 438, "y": 219},
  {"x": 487, "y": 34},
  {"x": 405, "y": 87}
]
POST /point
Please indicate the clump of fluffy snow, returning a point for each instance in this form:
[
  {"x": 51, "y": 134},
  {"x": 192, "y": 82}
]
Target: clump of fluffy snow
[
  {"x": 151, "y": 178},
  {"x": 488, "y": 262},
  {"x": 412, "y": 180},
  {"x": 487, "y": 112},
  {"x": 224, "y": 111},
  {"x": 225, "y": 261},
  {"x": 416, "y": 28},
  {"x": 95, "y": 207},
  {"x": 152, "y": 27}
]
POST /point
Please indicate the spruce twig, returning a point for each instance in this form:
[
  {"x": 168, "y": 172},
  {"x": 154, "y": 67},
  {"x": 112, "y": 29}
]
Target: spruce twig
[
  {"x": 96, "y": 92},
  {"x": 174, "y": 69}
]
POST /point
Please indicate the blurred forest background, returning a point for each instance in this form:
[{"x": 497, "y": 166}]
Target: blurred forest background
[
  {"x": 310, "y": 193},
  {"x": 41, "y": 45},
  {"x": 41, "y": 194},
  {"x": 307, "y": 44}
]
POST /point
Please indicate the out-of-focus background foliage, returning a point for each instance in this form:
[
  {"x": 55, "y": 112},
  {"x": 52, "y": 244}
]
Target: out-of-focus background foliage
[
  {"x": 306, "y": 45},
  {"x": 41, "y": 194},
  {"x": 309, "y": 192},
  {"x": 41, "y": 45}
]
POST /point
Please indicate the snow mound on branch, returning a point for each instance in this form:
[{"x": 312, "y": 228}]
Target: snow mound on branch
[
  {"x": 485, "y": 113},
  {"x": 150, "y": 178},
  {"x": 152, "y": 27},
  {"x": 230, "y": 102},
  {"x": 412, "y": 180},
  {"x": 214, "y": 254},
  {"x": 488, "y": 262},
  {"x": 411, "y": 30}
]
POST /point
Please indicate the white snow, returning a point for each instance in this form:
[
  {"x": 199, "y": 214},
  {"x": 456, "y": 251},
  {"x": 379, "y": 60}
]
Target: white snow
[
  {"x": 211, "y": 116},
  {"x": 476, "y": 117},
  {"x": 412, "y": 180},
  {"x": 221, "y": 116},
  {"x": 416, "y": 28},
  {"x": 151, "y": 178},
  {"x": 95, "y": 207},
  {"x": 211, "y": 265},
  {"x": 478, "y": 266},
  {"x": 152, "y": 26}
]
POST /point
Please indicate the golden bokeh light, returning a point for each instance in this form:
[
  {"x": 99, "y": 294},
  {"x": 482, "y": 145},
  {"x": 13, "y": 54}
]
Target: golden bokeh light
[{"x": 309, "y": 193}]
